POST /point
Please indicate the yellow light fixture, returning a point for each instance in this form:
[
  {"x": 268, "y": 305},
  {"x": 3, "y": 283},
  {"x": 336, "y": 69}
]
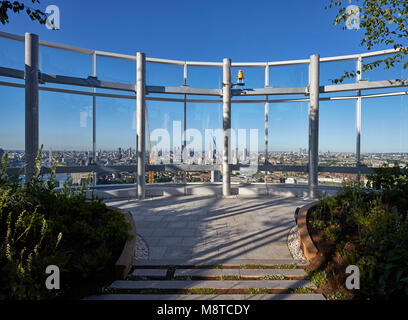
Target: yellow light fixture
[{"x": 240, "y": 78}]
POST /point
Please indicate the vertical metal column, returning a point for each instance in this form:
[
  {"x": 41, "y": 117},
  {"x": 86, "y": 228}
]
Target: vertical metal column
[
  {"x": 94, "y": 118},
  {"x": 141, "y": 122},
  {"x": 358, "y": 118},
  {"x": 266, "y": 126},
  {"x": 94, "y": 111},
  {"x": 31, "y": 102},
  {"x": 226, "y": 125},
  {"x": 185, "y": 127},
  {"x": 185, "y": 114},
  {"x": 314, "y": 70},
  {"x": 266, "y": 115}
]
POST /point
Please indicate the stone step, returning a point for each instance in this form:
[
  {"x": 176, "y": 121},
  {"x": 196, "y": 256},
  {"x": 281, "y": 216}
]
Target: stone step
[
  {"x": 293, "y": 296},
  {"x": 220, "y": 285},
  {"x": 244, "y": 273},
  {"x": 223, "y": 263},
  {"x": 149, "y": 273},
  {"x": 207, "y": 297}
]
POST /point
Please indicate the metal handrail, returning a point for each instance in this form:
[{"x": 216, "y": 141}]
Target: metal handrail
[{"x": 197, "y": 63}]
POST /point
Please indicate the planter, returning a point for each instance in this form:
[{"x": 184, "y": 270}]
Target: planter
[
  {"x": 309, "y": 249},
  {"x": 125, "y": 261}
]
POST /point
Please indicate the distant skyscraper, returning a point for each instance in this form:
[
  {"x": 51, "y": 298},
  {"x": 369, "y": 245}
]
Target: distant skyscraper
[{"x": 1, "y": 153}]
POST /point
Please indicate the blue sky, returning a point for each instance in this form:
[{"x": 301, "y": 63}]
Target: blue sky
[{"x": 203, "y": 30}]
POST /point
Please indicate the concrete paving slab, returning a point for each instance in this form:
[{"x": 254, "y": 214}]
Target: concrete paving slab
[
  {"x": 239, "y": 263},
  {"x": 168, "y": 297},
  {"x": 170, "y": 241},
  {"x": 206, "y": 272},
  {"x": 149, "y": 272},
  {"x": 239, "y": 272},
  {"x": 213, "y": 284},
  {"x": 234, "y": 228},
  {"x": 157, "y": 252},
  {"x": 207, "y": 297},
  {"x": 307, "y": 296},
  {"x": 272, "y": 272},
  {"x": 177, "y": 252}
]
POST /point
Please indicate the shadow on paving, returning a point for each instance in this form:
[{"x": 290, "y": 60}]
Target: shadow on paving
[{"x": 208, "y": 228}]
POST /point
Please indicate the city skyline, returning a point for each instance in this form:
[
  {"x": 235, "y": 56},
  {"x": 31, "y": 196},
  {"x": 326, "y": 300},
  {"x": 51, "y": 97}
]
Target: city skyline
[{"x": 66, "y": 119}]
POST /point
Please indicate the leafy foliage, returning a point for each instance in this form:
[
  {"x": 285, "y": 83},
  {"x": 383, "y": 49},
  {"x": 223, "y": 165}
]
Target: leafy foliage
[
  {"x": 40, "y": 226},
  {"x": 318, "y": 278},
  {"x": 16, "y": 7},
  {"x": 373, "y": 219},
  {"x": 383, "y": 22}
]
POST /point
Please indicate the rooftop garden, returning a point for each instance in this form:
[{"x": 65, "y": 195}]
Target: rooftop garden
[
  {"x": 42, "y": 226},
  {"x": 365, "y": 226}
]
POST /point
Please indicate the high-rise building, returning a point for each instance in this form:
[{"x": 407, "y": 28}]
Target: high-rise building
[{"x": 1, "y": 153}]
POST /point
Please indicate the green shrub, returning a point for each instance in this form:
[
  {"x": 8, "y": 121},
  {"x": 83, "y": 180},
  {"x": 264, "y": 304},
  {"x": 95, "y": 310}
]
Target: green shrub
[
  {"x": 40, "y": 226},
  {"x": 318, "y": 278},
  {"x": 337, "y": 296},
  {"x": 331, "y": 233},
  {"x": 374, "y": 219}
]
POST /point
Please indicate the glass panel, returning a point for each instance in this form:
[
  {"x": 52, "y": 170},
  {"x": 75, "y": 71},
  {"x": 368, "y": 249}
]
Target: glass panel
[
  {"x": 204, "y": 77},
  {"x": 158, "y": 74},
  {"x": 12, "y": 54},
  {"x": 337, "y": 133},
  {"x": 247, "y": 121},
  {"x": 330, "y": 71},
  {"x": 336, "y": 179},
  {"x": 12, "y": 123},
  {"x": 289, "y": 76},
  {"x": 65, "y": 126},
  {"x": 115, "y": 129},
  {"x": 288, "y": 133},
  {"x": 67, "y": 63},
  {"x": 384, "y": 131},
  {"x": 254, "y": 77},
  {"x": 380, "y": 73},
  {"x": 206, "y": 119},
  {"x": 115, "y": 138},
  {"x": 165, "y": 126},
  {"x": 117, "y": 70}
]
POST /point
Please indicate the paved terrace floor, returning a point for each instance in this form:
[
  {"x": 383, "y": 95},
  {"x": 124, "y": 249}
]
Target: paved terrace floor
[{"x": 214, "y": 230}]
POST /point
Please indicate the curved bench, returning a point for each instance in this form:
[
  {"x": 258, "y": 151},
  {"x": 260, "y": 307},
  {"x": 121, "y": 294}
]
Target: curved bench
[
  {"x": 309, "y": 249},
  {"x": 125, "y": 261}
]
